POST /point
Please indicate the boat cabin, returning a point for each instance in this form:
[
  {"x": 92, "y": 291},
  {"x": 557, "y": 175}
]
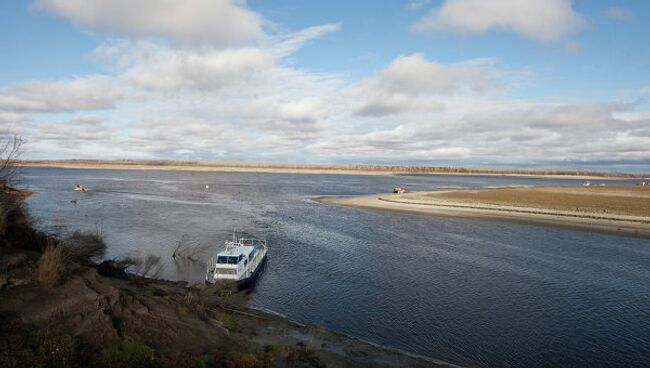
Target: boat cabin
[{"x": 234, "y": 261}]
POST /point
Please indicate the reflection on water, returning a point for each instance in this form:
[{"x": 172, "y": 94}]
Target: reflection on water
[{"x": 471, "y": 292}]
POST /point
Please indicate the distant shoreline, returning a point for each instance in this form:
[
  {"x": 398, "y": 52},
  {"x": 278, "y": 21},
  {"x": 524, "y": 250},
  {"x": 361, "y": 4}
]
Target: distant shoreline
[
  {"x": 457, "y": 204},
  {"x": 317, "y": 169}
]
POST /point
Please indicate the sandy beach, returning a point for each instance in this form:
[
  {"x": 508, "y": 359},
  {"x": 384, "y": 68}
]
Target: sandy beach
[
  {"x": 615, "y": 209},
  {"x": 298, "y": 168}
]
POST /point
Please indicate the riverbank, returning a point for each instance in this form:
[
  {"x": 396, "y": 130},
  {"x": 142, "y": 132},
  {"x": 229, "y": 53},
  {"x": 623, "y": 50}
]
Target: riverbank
[
  {"x": 614, "y": 209},
  {"x": 289, "y": 168},
  {"x": 60, "y": 306}
]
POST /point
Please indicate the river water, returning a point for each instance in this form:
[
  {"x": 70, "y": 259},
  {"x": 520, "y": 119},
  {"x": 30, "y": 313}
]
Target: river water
[{"x": 476, "y": 293}]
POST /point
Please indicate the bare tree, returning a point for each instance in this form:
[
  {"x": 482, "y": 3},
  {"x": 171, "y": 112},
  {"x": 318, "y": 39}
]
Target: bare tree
[{"x": 9, "y": 152}]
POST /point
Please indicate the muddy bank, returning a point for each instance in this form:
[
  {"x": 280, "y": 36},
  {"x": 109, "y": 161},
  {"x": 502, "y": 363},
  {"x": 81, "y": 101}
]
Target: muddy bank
[{"x": 617, "y": 209}]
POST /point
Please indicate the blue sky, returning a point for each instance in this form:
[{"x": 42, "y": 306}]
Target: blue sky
[{"x": 466, "y": 82}]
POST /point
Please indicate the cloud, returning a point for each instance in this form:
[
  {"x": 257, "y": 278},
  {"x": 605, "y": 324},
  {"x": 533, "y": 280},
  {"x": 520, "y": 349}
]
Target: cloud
[
  {"x": 217, "y": 23},
  {"x": 11, "y": 123},
  {"x": 93, "y": 92},
  {"x": 301, "y": 115},
  {"x": 80, "y": 129},
  {"x": 294, "y": 41},
  {"x": 402, "y": 84},
  {"x": 617, "y": 13},
  {"x": 417, "y": 4},
  {"x": 169, "y": 70},
  {"x": 11, "y": 117},
  {"x": 171, "y": 136},
  {"x": 546, "y": 20},
  {"x": 528, "y": 134}
]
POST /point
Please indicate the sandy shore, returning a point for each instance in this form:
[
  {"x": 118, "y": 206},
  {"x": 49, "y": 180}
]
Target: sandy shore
[
  {"x": 615, "y": 209},
  {"x": 294, "y": 169}
]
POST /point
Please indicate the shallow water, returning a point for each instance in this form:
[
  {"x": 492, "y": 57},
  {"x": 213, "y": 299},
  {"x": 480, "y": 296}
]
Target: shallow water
[{"x": 471, "y": 292}]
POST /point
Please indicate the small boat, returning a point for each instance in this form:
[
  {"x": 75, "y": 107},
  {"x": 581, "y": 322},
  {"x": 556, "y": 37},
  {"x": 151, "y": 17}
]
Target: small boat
[
  {"x": 241, "y": 262},
  {"x": 79, "y": 188}
]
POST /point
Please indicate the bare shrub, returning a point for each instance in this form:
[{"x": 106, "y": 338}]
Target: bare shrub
[
  {"x": 151, "y": 266},
  {"x": 187, "y": 250},
  {"x": 51, "y": 266},
  {"x": 117, "y": 267},
  {"x": 86, "y": 247}
]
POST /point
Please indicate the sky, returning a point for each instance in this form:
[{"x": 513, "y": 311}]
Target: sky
[{"x": 498, "y": 83}]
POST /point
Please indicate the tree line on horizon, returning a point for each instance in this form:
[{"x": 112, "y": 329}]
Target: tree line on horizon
[{"x": 406, "y": 169}]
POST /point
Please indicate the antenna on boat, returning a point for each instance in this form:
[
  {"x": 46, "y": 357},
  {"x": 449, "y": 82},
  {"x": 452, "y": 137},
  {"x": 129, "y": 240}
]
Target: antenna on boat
[{"x": 233, "y": 236}]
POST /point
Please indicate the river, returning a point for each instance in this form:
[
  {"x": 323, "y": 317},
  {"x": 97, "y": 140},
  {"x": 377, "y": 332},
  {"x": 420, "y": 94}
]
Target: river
[{"x": 476, "y": 293}]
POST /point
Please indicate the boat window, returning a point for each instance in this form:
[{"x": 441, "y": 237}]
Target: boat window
[{"x": 228, "y": 259}]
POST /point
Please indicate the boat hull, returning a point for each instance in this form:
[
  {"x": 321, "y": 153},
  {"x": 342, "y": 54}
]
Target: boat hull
[{"x": 250, "y": 280}]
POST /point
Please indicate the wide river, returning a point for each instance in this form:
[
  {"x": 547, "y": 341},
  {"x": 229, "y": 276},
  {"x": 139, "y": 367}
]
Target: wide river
[{"x": 471, "y": 292}]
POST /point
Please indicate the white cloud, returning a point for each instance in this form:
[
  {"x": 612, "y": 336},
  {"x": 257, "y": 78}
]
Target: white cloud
[
  {"x": 617, "y": 13},
  {"x": 529, "y": 134},
  {"x": 417, "y": 4},
  {"x": 403, "y": 83},
  {"x": 218, "y": 23},
  {"x": 11, "y": 123},
  {"x": 170, "y": 70},
  {"x": 645, "y": 90},
  {"x": 11, "y": 117},
  {"x": 298, "y": 115},
  {"x": 539, "y": 20},
  {"x": 294, "y": 41},
  {"x": 224, "y": 98},
  {"x": 93, "y": 92},
  {"x": 80, "y": 129}
]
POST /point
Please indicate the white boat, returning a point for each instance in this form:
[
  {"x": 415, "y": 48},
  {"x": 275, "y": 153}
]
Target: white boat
[{"x": 241, "y": 261}]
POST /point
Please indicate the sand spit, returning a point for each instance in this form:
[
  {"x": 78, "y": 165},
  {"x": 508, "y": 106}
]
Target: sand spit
[{"x": 616, "y": 209}]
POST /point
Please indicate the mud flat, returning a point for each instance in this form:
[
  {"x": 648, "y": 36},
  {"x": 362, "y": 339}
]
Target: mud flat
[{"x": 616, "y": 209}]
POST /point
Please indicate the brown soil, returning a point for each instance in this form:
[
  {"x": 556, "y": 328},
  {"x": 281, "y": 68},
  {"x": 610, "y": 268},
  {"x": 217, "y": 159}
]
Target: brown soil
[
  {"x": 617, "y": 200},
  {"x": 179, "y": 322}
]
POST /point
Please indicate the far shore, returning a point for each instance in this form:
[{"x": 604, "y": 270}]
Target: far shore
[
  {"x": 615, "y": 209},
  {"x": 289, "y": 168}
]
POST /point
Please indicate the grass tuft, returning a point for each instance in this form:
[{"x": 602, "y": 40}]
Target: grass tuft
[
  {"x": 130, "y": 354},
  {"x": 54, "y": 351},
  {"x": 51, "y": 266}
]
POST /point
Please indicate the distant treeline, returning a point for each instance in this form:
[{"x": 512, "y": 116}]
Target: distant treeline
[{"x": 398, "y": 169}]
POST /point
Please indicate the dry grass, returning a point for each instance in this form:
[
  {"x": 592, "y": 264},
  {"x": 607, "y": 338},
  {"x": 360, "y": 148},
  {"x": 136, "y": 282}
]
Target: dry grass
[{"x": 51, "y": 266}]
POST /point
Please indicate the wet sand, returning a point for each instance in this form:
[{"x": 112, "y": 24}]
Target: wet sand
[{"x": 613, "y": 209}]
